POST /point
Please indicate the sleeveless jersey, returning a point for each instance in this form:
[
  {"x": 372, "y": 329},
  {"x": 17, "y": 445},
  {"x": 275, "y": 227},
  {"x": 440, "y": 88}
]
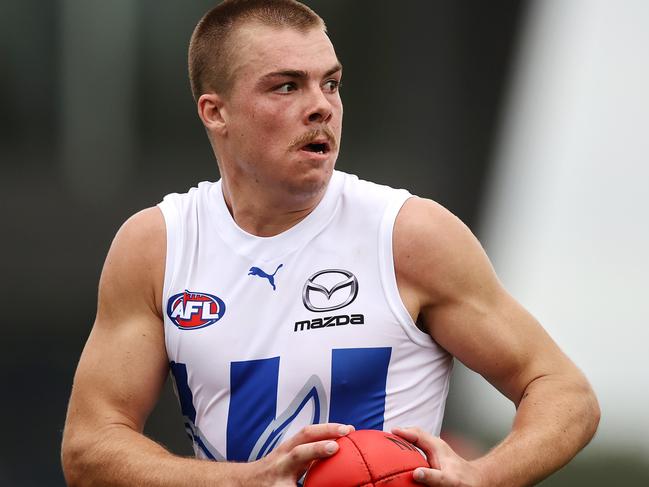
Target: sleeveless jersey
[{"x": 268, "y": 334}]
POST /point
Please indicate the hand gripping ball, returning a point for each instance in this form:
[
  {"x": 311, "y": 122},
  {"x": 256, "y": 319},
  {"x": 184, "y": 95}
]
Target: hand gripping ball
[{"x": 367, "y": 458}]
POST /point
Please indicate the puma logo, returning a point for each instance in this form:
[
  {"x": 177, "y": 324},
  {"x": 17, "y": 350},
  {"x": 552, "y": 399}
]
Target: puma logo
[{"x": 256, "y": 271}]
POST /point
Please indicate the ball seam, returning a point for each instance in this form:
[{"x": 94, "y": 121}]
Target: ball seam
[{"x": 360, "y": 452}]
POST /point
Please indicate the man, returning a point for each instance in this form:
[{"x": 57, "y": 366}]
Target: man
[{"x": 293, "y": 303}]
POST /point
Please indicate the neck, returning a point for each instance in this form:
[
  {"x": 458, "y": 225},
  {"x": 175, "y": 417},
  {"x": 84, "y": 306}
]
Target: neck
[{"x": 264, "y": 214}]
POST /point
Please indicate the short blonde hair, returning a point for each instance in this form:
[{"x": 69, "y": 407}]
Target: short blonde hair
[{"x": 210, "y": 50}]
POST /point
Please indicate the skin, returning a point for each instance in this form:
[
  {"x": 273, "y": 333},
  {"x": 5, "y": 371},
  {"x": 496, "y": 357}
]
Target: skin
[
  {"x": 268, "y": 183},
  {"x": 285, "y": 95},
  {"x": 446, "y": 280}
]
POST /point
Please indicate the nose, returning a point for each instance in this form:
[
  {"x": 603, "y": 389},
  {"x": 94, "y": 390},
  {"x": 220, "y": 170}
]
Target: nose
[{"x": 319, "y": 109}]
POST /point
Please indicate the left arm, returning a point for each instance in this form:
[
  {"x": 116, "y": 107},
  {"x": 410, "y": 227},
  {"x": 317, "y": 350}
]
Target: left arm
[{"x": 446, "y": 280}]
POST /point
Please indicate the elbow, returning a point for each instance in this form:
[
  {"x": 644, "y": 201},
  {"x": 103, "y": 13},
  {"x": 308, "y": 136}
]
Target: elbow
[
  {"x": 594, "y": 413},
  {"x": 72, "y": 461},
  {"x": 587, "y": 414},
  {"x": 71, "y": 466}
]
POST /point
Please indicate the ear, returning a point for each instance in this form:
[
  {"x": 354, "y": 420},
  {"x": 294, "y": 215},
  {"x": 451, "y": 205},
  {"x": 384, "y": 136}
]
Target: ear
[{"x": 211, "y": 111}]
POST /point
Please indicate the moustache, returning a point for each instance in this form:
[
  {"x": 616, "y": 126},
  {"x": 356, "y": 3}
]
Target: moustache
[{"x": 315, "y": 134}]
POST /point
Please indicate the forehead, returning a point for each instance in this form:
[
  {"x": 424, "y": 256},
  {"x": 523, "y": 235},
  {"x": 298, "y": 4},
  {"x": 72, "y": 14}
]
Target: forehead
[{"x": 260, "y": 49}]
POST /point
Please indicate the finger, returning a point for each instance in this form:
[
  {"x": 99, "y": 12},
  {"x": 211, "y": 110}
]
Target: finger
[
  {"x": 432, "y": 446},
  {"x": 300, "y": 457},
  {"x": 317, "y": 432},
  {"x": 429, "y": 476},
  {"x": 410, "y": 434}
]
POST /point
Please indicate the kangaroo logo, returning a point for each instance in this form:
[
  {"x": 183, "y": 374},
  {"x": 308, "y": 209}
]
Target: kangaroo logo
[{"x": 256, "y": 271}]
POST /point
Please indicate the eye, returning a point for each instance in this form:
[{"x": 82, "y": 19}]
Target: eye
[
  {"x": 285, "y": 88},
  {"x": 332, "y": 85}
]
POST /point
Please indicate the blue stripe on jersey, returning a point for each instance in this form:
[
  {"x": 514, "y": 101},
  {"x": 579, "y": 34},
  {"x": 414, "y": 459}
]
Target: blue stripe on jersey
[
  {"x": 179, "y": 371},
  {"x": 253, "y": 404},
  {"x": 358, "y": 378},
  {"x": 186, "y": 398}
]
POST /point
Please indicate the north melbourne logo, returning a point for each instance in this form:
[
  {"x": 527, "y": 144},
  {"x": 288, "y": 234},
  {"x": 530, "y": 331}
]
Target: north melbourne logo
[{"x": 329, "y": 290}]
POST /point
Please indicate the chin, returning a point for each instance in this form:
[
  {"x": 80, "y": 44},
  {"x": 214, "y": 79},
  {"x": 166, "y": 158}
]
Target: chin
[{"x": 312, "y": 183}]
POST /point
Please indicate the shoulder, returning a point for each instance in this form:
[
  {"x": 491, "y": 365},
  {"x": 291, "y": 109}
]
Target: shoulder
[
  {"x": 426, "y": 231},
  {"x": 422, "y": 217},
  {"x": 135, "y": 262},
  {"x": 142, "y": 228},
  {"x": 141, "y": 239},
  {"x": 435, "y": 254}
]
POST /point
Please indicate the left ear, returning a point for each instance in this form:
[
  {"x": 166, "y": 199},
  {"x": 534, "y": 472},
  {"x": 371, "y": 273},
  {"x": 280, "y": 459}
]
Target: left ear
[{"x": 211, "y": 112}]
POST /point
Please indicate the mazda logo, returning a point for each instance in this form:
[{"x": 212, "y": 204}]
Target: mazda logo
[{"x": 329, "y": 289}]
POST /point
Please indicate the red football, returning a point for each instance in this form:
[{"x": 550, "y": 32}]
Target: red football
[{"x": 367, "y": 458}]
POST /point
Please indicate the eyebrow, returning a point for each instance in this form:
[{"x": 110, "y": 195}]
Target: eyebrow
[{"x": 298, "y": 73}]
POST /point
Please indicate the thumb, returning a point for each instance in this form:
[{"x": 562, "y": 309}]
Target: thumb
[{"x": 299, "y": 458}]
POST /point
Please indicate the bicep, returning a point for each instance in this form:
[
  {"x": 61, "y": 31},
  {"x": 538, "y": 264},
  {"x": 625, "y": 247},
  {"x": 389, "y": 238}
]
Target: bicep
[
  {"x": 120, "y": 375},
  {"x": 463, "y": 305},
  {"x": 496, "y": 337},
  {"x": 123, "y": 365}
]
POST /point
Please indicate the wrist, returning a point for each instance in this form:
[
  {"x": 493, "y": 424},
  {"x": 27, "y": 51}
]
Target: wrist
[
  {"x": 486, "y": 472},
  {"x": 235, "y": 474}
]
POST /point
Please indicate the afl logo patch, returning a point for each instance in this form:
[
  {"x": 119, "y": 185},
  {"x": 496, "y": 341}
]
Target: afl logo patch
[{"x": 191, "y": 310}]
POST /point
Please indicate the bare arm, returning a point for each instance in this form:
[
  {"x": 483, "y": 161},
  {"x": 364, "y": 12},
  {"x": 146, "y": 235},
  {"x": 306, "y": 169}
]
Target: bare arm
[
  {"x": 446, "y": 279},
  {"x": 120, "y": 375}
]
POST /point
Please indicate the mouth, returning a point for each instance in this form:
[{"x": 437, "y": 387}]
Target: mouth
[{"x": 317, "y": 147}]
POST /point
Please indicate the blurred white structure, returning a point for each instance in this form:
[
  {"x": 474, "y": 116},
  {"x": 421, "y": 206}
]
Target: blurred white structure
[{"x": 566, "y": 222}]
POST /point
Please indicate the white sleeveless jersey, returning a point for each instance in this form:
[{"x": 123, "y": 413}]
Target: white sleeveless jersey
[{"x": 267, "y": 335}]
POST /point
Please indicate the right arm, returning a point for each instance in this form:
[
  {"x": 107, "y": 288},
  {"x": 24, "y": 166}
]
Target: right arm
[{"x": 121, "y": 373}]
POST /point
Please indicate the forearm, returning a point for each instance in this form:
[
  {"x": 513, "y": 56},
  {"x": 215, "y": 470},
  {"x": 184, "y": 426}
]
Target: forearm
[
  {"x": 555, "y": 419},
  {"x": 120, "y": 456}
]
